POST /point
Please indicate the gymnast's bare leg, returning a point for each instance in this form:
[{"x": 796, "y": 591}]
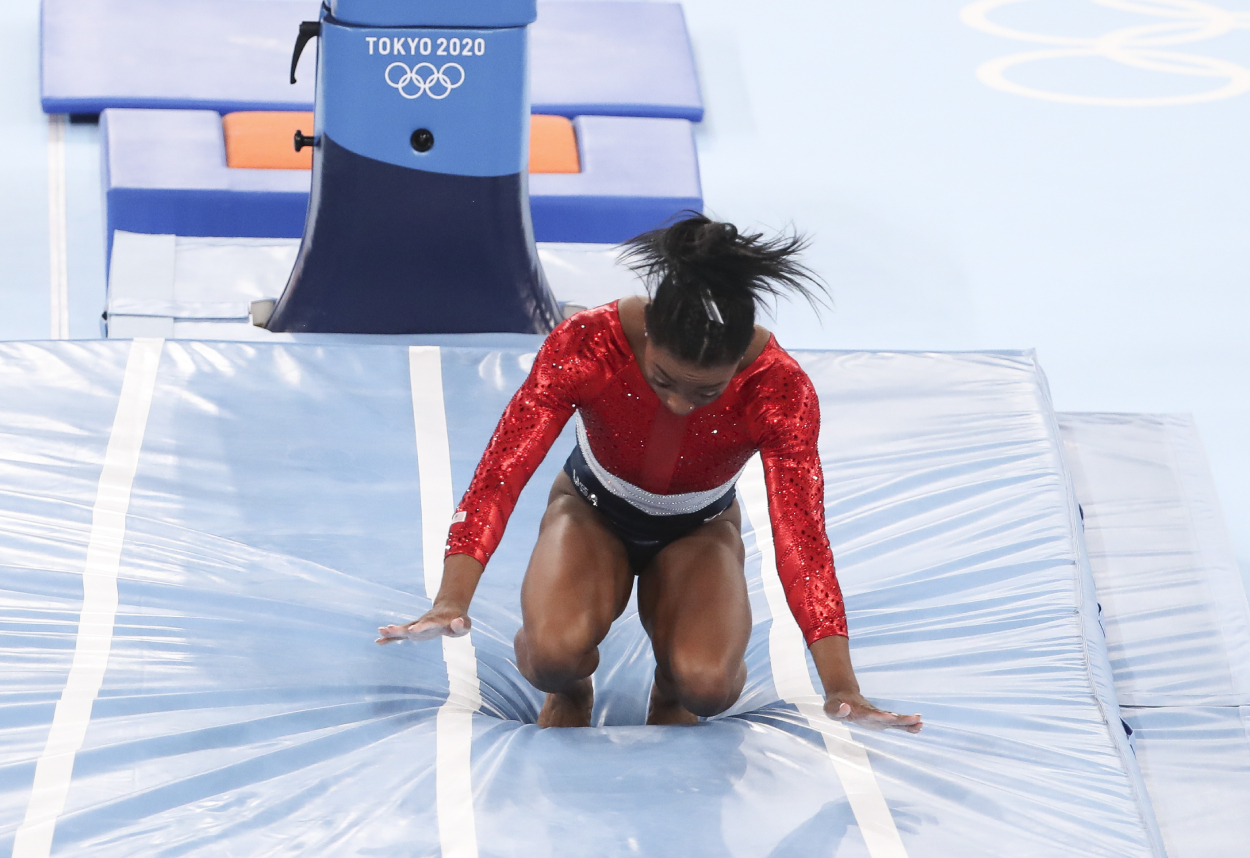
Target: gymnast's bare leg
[
  {"x": 577, "y": 583},
  {"x": 692, "y": 599}
]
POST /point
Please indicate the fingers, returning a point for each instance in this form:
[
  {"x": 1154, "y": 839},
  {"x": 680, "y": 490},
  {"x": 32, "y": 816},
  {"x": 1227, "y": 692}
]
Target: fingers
[
  {"x": 878, "y": 719},
  {"x": 390, "y": 634},
  {"x": 422, "y": 630},
  {"x": 910, "y": 723},
  {"x": 861, "y": 712},
  {"x": 419, "y": 630}
]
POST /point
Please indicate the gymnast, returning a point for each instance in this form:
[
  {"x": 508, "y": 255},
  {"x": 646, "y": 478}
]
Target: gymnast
[{"x": 671, "y": 396}]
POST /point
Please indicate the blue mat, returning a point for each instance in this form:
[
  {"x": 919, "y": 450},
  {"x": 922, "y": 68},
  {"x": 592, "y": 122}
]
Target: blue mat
[
  {"x": 608, "y": 58},
  {"x": 1176, "y": 615},
  {"x": 260, "y": 509},
  {"x": 165, "y": 172}
]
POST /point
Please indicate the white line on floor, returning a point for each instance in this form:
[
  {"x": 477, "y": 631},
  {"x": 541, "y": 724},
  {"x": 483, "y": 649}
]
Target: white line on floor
[
  {"x": 94, "y": 639},
  {"x": 794, "y": 685},
  {"x": 457, "y": 827},
  {"x": 58, "y": 249}
]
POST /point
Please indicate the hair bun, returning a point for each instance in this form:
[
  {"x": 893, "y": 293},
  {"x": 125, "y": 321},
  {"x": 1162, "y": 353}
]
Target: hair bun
[
  {"x": 706, "y": 279},
  {"x": 720, "y": 236}
]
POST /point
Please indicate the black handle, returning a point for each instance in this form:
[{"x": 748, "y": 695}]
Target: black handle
[
  {"x": 307, "y": 30},
  {"x": 301, "y": 141}
]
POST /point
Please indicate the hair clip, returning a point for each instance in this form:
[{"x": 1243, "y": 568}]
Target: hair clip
[{"x": 713, "y": 311}]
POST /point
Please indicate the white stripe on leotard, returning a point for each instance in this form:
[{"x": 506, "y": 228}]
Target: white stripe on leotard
[{"x": 648, "y": 502}]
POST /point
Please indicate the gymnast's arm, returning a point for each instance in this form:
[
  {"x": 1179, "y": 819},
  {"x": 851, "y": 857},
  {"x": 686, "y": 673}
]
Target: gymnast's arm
[
  {"x": 529, "y": 425},
  {"x": 788, "y": 433}
]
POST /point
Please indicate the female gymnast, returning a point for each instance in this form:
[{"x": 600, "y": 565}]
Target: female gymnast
[{"x": 671, "y": 397}]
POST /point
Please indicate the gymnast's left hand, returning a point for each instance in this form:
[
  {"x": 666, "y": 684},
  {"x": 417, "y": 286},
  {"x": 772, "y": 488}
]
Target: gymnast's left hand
[
  {"x": 854, "y": 707},
  {"x": 843, "y": 702}
]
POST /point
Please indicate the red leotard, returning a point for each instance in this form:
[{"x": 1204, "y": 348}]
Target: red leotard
[{"x": 586, "y": 365}]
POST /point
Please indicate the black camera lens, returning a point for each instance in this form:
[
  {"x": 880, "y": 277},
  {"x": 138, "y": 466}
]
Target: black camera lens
[{"x": 422, "y": 140}]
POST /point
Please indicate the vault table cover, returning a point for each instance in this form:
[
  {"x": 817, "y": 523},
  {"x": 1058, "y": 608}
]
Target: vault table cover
[{"x": 283, "y": 498}]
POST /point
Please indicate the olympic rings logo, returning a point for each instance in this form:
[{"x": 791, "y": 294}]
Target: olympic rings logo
[
  {"x": 1137, "y": 47},
  {"x": 416, "y": 81}
]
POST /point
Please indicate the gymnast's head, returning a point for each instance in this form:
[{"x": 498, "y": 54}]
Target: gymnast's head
[{"x": 706, "y": 280}]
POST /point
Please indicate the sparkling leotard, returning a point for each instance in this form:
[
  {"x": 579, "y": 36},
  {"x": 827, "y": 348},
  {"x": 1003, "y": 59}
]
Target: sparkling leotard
[{"x": 586, "y": 366}]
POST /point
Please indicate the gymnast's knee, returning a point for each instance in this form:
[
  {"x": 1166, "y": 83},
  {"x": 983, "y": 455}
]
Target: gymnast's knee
[
  {"x": 557, "y": 654},
  {"x": 707, "y": 687}
]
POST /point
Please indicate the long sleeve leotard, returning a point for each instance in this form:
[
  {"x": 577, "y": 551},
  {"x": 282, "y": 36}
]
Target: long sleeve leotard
[{"x": 586, "y": 365}]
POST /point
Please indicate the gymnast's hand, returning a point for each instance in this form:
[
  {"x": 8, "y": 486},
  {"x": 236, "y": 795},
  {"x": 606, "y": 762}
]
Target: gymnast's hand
[
  {"x": 843, "y": 702},
  {"x": 852, "y": 706},
  {"x": 450, "y": 614},
  {"x": 449, "y": 620}
]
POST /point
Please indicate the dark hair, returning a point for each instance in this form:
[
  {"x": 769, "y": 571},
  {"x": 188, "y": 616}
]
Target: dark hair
[{"x": 705, "y": 279}]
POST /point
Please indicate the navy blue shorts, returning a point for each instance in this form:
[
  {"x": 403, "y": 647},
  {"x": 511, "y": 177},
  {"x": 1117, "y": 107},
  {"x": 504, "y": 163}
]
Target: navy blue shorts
[{"x": 644, "y": 535}]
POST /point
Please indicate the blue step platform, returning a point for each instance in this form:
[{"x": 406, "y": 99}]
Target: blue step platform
[
  {"x": 165, "y": 172},
  {"x": 606, "y": 58}
]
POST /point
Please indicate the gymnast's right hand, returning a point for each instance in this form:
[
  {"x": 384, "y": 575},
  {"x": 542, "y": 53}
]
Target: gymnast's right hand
[
  {"x": 450, "y": 614},
  {"x": 450, "y": 620}
]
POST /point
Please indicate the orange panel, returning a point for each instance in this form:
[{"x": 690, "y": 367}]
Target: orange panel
[
  {"x": 265, "y": 139},
  {"x": 553, "y": 145},
  {"x": 262, "y": 139}
]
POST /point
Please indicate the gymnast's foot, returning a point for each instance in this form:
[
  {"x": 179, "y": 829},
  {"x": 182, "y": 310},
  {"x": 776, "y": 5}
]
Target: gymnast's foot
[
  {"x": 665, "y": 710},
  {"x": 570, "y": 708}
]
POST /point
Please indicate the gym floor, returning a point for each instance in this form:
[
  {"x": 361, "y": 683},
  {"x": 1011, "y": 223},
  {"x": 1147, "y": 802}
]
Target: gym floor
[{"x": 972, "y": 176}]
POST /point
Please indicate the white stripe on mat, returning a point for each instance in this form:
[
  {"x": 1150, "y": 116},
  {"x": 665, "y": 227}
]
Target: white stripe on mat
[
  {"x": 58, "y": 250},
  {"x": 457, "y": 828},
  {"x": 99, "y": 605},
  {"x": 794, "y": 684}
]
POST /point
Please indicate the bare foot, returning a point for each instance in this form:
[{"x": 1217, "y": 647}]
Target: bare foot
[
  {"x": 664, "y": 710},
  {"x": 571, "y": 708}
]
